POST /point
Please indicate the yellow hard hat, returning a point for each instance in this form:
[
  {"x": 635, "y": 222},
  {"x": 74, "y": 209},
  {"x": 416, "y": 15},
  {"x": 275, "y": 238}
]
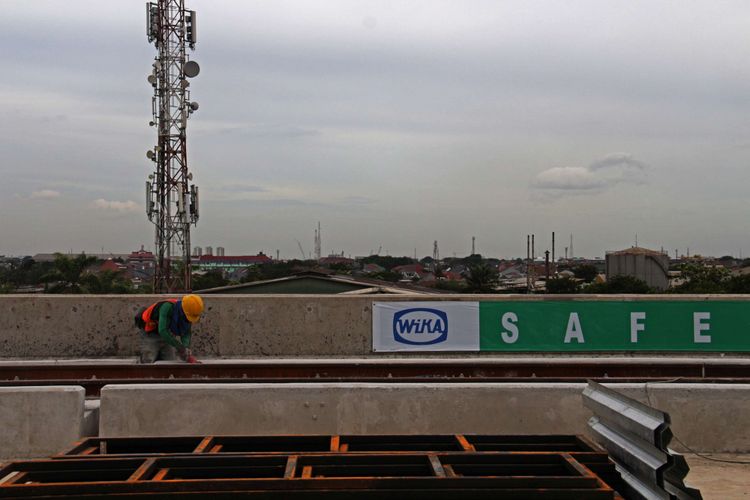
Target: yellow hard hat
[{"x": 192, "y": 306}]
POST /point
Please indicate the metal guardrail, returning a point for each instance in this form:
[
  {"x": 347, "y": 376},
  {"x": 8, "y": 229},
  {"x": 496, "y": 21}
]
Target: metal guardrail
[{"x": 637, "y": 438}]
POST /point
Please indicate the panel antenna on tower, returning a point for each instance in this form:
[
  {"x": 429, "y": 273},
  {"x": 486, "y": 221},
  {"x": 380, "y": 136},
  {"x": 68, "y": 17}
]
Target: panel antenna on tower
[{"x": 171, "y": 199}]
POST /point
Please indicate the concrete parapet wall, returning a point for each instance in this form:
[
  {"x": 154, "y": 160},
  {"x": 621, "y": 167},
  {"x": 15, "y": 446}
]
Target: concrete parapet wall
[
  {"x": 58, "y": 326},
  {"x": 706, "y": 417},
  {"x": 39, "y": 421}
]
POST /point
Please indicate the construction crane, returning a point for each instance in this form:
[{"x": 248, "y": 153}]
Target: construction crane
[
  {"x": 302, "y": 250},
  {"x": 171, "y": 199}
]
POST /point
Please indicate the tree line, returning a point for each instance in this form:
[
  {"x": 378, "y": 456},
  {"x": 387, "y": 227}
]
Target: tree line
[{"x": 77, "y": 274}]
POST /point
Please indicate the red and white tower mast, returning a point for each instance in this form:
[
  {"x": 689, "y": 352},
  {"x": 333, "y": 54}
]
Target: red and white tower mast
[{"x": 171, "y": 199}]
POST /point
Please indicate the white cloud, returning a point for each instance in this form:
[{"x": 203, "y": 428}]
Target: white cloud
[
  {"x": 116, "y": 206},
  {"x": 45, "y": 194},
  {"x": 600, "y": 175}
]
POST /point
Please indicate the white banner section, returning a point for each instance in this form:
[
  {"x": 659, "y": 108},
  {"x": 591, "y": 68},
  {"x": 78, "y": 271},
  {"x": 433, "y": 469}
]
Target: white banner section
[{"x": 425, "y": 326}]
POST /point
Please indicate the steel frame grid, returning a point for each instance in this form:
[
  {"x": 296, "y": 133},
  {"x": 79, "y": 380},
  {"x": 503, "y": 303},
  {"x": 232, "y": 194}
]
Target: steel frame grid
[
  {"x": 122, "y": 447},
  {"x": 328, "y": 475}
]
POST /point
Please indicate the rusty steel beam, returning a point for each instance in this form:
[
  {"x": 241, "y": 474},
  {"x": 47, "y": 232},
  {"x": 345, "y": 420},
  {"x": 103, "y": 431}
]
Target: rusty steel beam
[
  {"x": 465, "y": 369},
  {"x": 93, "y": 386},
  {"x": 475, "y": 368},
  {"x": 94, "y": 376}
]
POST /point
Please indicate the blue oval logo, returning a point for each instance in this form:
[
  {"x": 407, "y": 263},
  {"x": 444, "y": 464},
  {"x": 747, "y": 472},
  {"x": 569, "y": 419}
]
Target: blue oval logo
[{"x": 420, "y": 326}]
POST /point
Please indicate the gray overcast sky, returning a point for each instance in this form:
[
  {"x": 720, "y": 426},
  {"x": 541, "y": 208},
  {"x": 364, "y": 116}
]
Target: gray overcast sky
[{"x": 394, "y": 123}]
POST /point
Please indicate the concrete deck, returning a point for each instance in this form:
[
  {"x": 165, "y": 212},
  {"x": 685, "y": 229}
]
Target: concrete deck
[{"x": 720, "y": 481}]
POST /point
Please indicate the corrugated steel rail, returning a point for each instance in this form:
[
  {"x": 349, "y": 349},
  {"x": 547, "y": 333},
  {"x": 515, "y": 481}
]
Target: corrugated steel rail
[
  {"x": 95, "y": 376},
  {"x": 637, "y": 438},
  {"x": 429, "y": 467}
]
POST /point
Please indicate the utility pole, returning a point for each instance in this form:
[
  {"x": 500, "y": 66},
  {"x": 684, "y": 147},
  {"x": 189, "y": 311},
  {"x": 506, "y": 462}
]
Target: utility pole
[
  {"x": 473, "y": 241},
  {"x": 528, "y": 267},
  {"x": 318, "y": 243},
  {"x": 532, "y": 272},
  {"x": 554, "y": 271},
  {"x": 571, "y": 245},
  {"x": 171, "y": 201}
]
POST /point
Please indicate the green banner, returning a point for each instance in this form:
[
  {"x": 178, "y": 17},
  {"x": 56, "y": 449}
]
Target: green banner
[{"x": 614, "y": 326}]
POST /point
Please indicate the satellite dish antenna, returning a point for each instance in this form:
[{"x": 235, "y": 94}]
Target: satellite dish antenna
[
  {"x": 191, "y": 69},
  {"x": 151, "y": 79},
  {"x": 184, "y": 84},
  {"x": 194, "y": 106},
  {"x": 150, "y": 154}
]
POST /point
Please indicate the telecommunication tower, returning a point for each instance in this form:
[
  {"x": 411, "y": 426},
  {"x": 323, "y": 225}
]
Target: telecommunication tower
[{"x": 171, "y": 201}]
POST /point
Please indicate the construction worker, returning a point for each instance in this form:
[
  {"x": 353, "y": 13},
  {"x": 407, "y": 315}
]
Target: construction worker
[{"x": 165, "y": 329}]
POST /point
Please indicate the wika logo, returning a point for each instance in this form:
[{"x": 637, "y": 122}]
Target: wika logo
[{"x": 420, "y": 326}]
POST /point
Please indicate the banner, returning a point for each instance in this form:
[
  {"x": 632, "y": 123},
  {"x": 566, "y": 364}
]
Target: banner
[
  {"x": 425, "y": 326},
  {"x": 562, "y": 326}
]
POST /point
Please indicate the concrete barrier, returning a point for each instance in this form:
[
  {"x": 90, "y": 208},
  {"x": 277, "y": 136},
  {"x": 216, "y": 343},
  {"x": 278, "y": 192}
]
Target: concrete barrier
[
  {"x": 92, "y": 326},
  {"x": 706, "y": 417},
  {"x": 37, "y": 422}
]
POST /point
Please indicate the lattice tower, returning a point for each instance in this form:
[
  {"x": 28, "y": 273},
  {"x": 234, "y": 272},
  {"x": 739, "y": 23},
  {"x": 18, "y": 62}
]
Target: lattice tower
[{"x": 171, "y": 201}]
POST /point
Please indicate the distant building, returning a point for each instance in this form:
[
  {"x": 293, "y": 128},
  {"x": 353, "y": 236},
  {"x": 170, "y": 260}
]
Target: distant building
[
  {"x": 141, "y": 260},
  {"x": 372, "y": 269},
  {"x": 197, "y": 251},
  {"x": 112, "y": 266},
  {"x": 228, "y": 263},
  {"x": 311, "y": 282},
  {"x": 336, "y": 260},
  {"x": 410, "y": 271},
  {"x": 647, "y": 265},
  {"x": 209, "y": 251},
  {"x": 220, "y": 251}
]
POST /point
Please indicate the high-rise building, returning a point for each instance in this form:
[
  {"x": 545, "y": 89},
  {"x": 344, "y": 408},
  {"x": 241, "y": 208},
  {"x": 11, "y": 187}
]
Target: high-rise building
[
  {"x": 209, "y": 251},
  {"x": 197, "y": 251},
  {"x": 220, "y": 251}
]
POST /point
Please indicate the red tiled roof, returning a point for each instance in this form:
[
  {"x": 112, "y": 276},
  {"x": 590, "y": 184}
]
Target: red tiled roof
[
  {"x": 409, "y": 268},
  {"x": 110, "y": 265}
]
